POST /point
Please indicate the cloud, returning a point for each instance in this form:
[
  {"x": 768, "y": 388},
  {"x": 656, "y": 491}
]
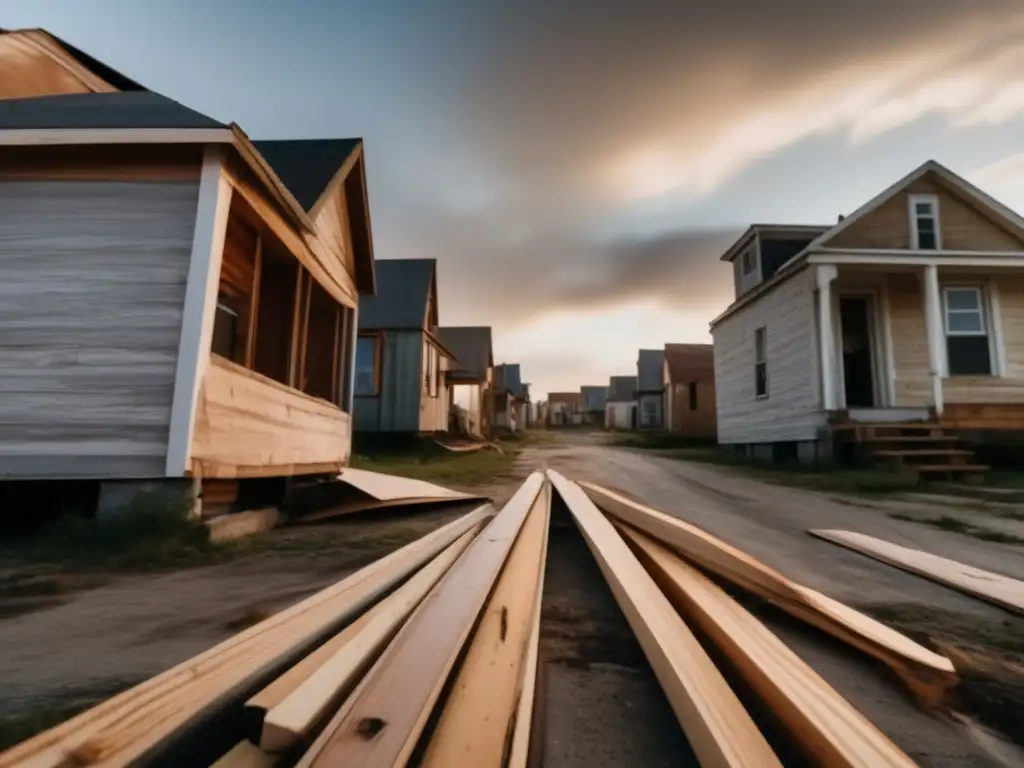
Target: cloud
[{"x": 1005, "y": 173}]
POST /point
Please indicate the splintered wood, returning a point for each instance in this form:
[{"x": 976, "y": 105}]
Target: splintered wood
[
  {"x": 928, "y": 675},
  {"x": 718, "y": 727}
]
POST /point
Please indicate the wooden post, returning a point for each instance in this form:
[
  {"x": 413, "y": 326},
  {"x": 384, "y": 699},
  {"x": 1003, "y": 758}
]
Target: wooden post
[
  {"x": 933, "y": 328},
  {"x": 826, "y": 273},
  {"x": 336, "y": 357},
  {"x": 254, "y": 306}
]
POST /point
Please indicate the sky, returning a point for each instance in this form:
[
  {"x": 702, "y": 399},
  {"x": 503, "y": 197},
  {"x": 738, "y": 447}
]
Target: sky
[{"x": 577, "y": 167}]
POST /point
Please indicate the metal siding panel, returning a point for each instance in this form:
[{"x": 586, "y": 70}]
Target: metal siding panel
[
  {"x": 366, "y": 414},
  {"x": 400, "y": 388},
  {"x": 92, "y": 284}
]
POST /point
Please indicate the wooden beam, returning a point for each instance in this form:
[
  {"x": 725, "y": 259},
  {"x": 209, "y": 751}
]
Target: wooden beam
[
  {"x": 302, "y": 378},
  {"x": 254, "y": 304},
  {"x": 128, "y": 727},
  {"x": 822, "y": 722},
  {"x": 295, "y": 717},
  {"x": 336, "y": 357},
  {"x": 386, "y": 718},
  {"x": 245, "y": 754},
  {"x": 199, "y": 309},
  {"x": 30, "y": 137},
  {"x": 928, "y": 675},
  {"x": 482, "y": 708},
  {"x": 715, "y": 722},
  {"x": 999, "y": 590}
]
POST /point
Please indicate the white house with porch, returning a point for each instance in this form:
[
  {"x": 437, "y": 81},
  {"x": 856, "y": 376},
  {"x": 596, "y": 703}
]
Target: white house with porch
[{"x": 908, "y": 313}]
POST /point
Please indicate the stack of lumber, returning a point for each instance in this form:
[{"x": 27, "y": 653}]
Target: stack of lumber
[{"x": 352, "y": 674}]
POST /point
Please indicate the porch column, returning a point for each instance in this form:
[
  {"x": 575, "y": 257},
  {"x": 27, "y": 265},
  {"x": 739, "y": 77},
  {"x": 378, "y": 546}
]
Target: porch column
[
  {"x": 933, "y": 328},
  {"x": 826, "y": 273}
]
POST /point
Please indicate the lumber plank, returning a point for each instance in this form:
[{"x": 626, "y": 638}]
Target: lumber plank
[
  {"x": 822, "y": 722},
  {"x": 992, "y": 587},
  {"x": 297, "y": 715},
  {"x": 718, "y": 727},
  {"x": 245, "y": 754},
  {"x": 385, "y": 720},
  {"x": 480, "y": 713},
  {"x": 928, "y": 675},
  {"x": 143, "y": 718}
]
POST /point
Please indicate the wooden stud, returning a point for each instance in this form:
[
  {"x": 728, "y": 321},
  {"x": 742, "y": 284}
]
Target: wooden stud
[
  {"x": 336, "y": 357},
  {"x": 254, "y": 305}
]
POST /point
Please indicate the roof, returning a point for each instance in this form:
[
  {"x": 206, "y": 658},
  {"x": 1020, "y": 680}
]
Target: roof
[
  {"x": 809, "y": 230},
  {"x": 307, "y": 166},
  {"x": 472, "y": 347},
  {"x": 569, "y": 398},
  {"x": 508, "y": 376},
  {"x": 690, "y": 362},
  {"x": 400, "y": 302},
  {"x": 649, "y": 366},
  {"x": 104, "y": 72},
  {"x": 594, "y": 397},
  {"x": 102, "y": 111},
  {"x": 621, "y": 388}
]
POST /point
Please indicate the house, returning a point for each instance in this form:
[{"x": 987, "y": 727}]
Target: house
[
  {"x": 34, "y": 62},
  {"x": 400, "y": 384},
  {"x": 621, "y": 404},
  {"x": 594, "y": 398},
  {"x": 565, "y": 408},
  {"x": 524, "y": 408},
  {"x": 650, "y": 392},
  {"x": 908, "y": 312},
  {"x": 689, "y": 376},
  {"x": 510, "y": 397},
  {"x": 472, "y": 376},
  {"x": 179, "y": 300}
]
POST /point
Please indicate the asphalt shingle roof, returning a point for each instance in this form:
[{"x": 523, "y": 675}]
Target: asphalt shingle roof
[
  {"x": 306, "y": 166},
  {"x": 118, "y": 110},
  {"x": 403, "y": 288},
  {"x": 690, "y": 362},
  {"x": 471, "y": 345}
]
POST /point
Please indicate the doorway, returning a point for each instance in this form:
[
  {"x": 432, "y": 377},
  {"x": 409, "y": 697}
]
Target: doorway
[{"x": 857, "y": 342}]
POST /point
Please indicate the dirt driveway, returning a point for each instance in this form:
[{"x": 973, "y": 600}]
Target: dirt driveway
[{"x": 604, "y": 708}]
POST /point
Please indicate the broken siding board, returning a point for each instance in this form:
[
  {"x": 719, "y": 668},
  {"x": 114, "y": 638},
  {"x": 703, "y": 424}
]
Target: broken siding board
[
  {"x": 92, "y": 285},
  {"x": 385, "y": 720},
  {"x": 792, "y": 409},
  {"x": 248, "y": 424},
  {"x": 480, "y": 711},
  {"x": 992, "y": 587},
  {"x": 829, "y": 729},
  {"x": 715, "y": 722}
]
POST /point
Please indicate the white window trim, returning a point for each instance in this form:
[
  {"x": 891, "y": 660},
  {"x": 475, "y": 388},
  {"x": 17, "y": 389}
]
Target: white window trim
[
  {"x": 755, "y": 260},
  {"x": 946, "y": 311},
  {"x": 933, "y": 200},
  {"x": 761, "y": 360},
  {"x": 988, "y": 298}
]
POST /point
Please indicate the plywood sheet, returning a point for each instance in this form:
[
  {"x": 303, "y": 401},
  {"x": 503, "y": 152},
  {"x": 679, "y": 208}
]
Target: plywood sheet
[
  {"x": 392, "y": 487},
  {"x": 715, "y": 722},
  {"x": 828, "y": 727},
  {"x": 928, "y": 675},
  {"x": 992, "y": 587},
  {"x": 384, "y": 721}
]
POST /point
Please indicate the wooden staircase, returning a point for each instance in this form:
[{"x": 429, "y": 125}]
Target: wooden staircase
[{"x": 922, "y": 447}]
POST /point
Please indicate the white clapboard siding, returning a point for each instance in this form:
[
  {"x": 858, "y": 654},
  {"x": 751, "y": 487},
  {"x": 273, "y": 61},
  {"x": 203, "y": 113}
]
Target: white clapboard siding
[
  {"x": 791, "y": 411},
  {"x": 92, "y": 284}
]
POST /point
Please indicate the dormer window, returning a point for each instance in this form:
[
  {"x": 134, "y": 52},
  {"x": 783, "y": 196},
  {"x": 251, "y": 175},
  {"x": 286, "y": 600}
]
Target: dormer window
[
  {"x": 749, "y": 261},
  {"x": 924, "y": 223}
]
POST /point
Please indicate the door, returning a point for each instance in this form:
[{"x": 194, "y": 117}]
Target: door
[{"x": 857, "y": 344}]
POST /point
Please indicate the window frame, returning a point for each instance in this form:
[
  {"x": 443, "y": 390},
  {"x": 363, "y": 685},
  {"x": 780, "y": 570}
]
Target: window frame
[
  {"x": 912, "y": 202},
  {"x": 432, "y": 364},
  {"x": 986, "y": 332},
  {"x": 377, "y": 340},
  {"x": 761, "y": 362},
  {"x": 223, "y": 306},
  {"x": 750, "y": 251}
]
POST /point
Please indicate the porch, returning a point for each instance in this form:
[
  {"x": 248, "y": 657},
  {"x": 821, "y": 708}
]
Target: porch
[{"x": 913, "y": 352}]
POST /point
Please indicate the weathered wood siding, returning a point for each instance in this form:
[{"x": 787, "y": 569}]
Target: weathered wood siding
[
  {"x": 699, "y": 424},
  {"x": 434, "y": 410},
  {"x": 397, "y": 407},
  {"x": 92, "y": 285},
  {"x": 963, "y": 226},
  {"x": 248, "y": 425},
  {"x": 27, "y": 70},
  {"x": 910, "y": 353},
  {"x": 792, "y": 410},
  {"x": 334, "y": 230}
]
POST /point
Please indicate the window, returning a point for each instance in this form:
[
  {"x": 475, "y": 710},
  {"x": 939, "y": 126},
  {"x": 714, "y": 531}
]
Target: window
[
  {"x": 693, "y": 395},
  {"x": 225, "y": 332},
  {"x": 924, "y": 222},
  {"x": 368, "y": 366},
  {"x": 967, "y": 344},
  {"x": 749, "y": 262},
  {"x": 761, "y": 362}
]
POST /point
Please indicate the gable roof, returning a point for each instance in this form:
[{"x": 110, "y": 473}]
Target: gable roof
[
  {"x": 621, "y": 388},
  {"x": 400, "y": 302},
  {"x": 689, "y": 362},
  {"x": 117, "y": 110},
  {"x": 509, "y": 377},
  {"x": 307, "y": 166},
  {"x": 94, "y": 66},
  {"x": 472, "y": 347}
]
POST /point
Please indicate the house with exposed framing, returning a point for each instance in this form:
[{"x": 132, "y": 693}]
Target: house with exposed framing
[
  {"x": 401, "y": 384},
  {"x": 897, "y": 329},
  {"x": 179, "y": 300}
]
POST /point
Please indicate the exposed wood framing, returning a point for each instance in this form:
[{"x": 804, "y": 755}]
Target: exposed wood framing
[
  {"x": 825, "y": 724},
  {"x": 715, "y": 722},
  {"x": 387, "y": 715},
  {"x": 481, "y": 712},
  {"x": 996, "y": 589},
  {"x": 126, "y": 728},
  {"x": 254, "y": 306},
  {"x": 928, "y": 675},
  {"x": 199, "y": 310}
]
